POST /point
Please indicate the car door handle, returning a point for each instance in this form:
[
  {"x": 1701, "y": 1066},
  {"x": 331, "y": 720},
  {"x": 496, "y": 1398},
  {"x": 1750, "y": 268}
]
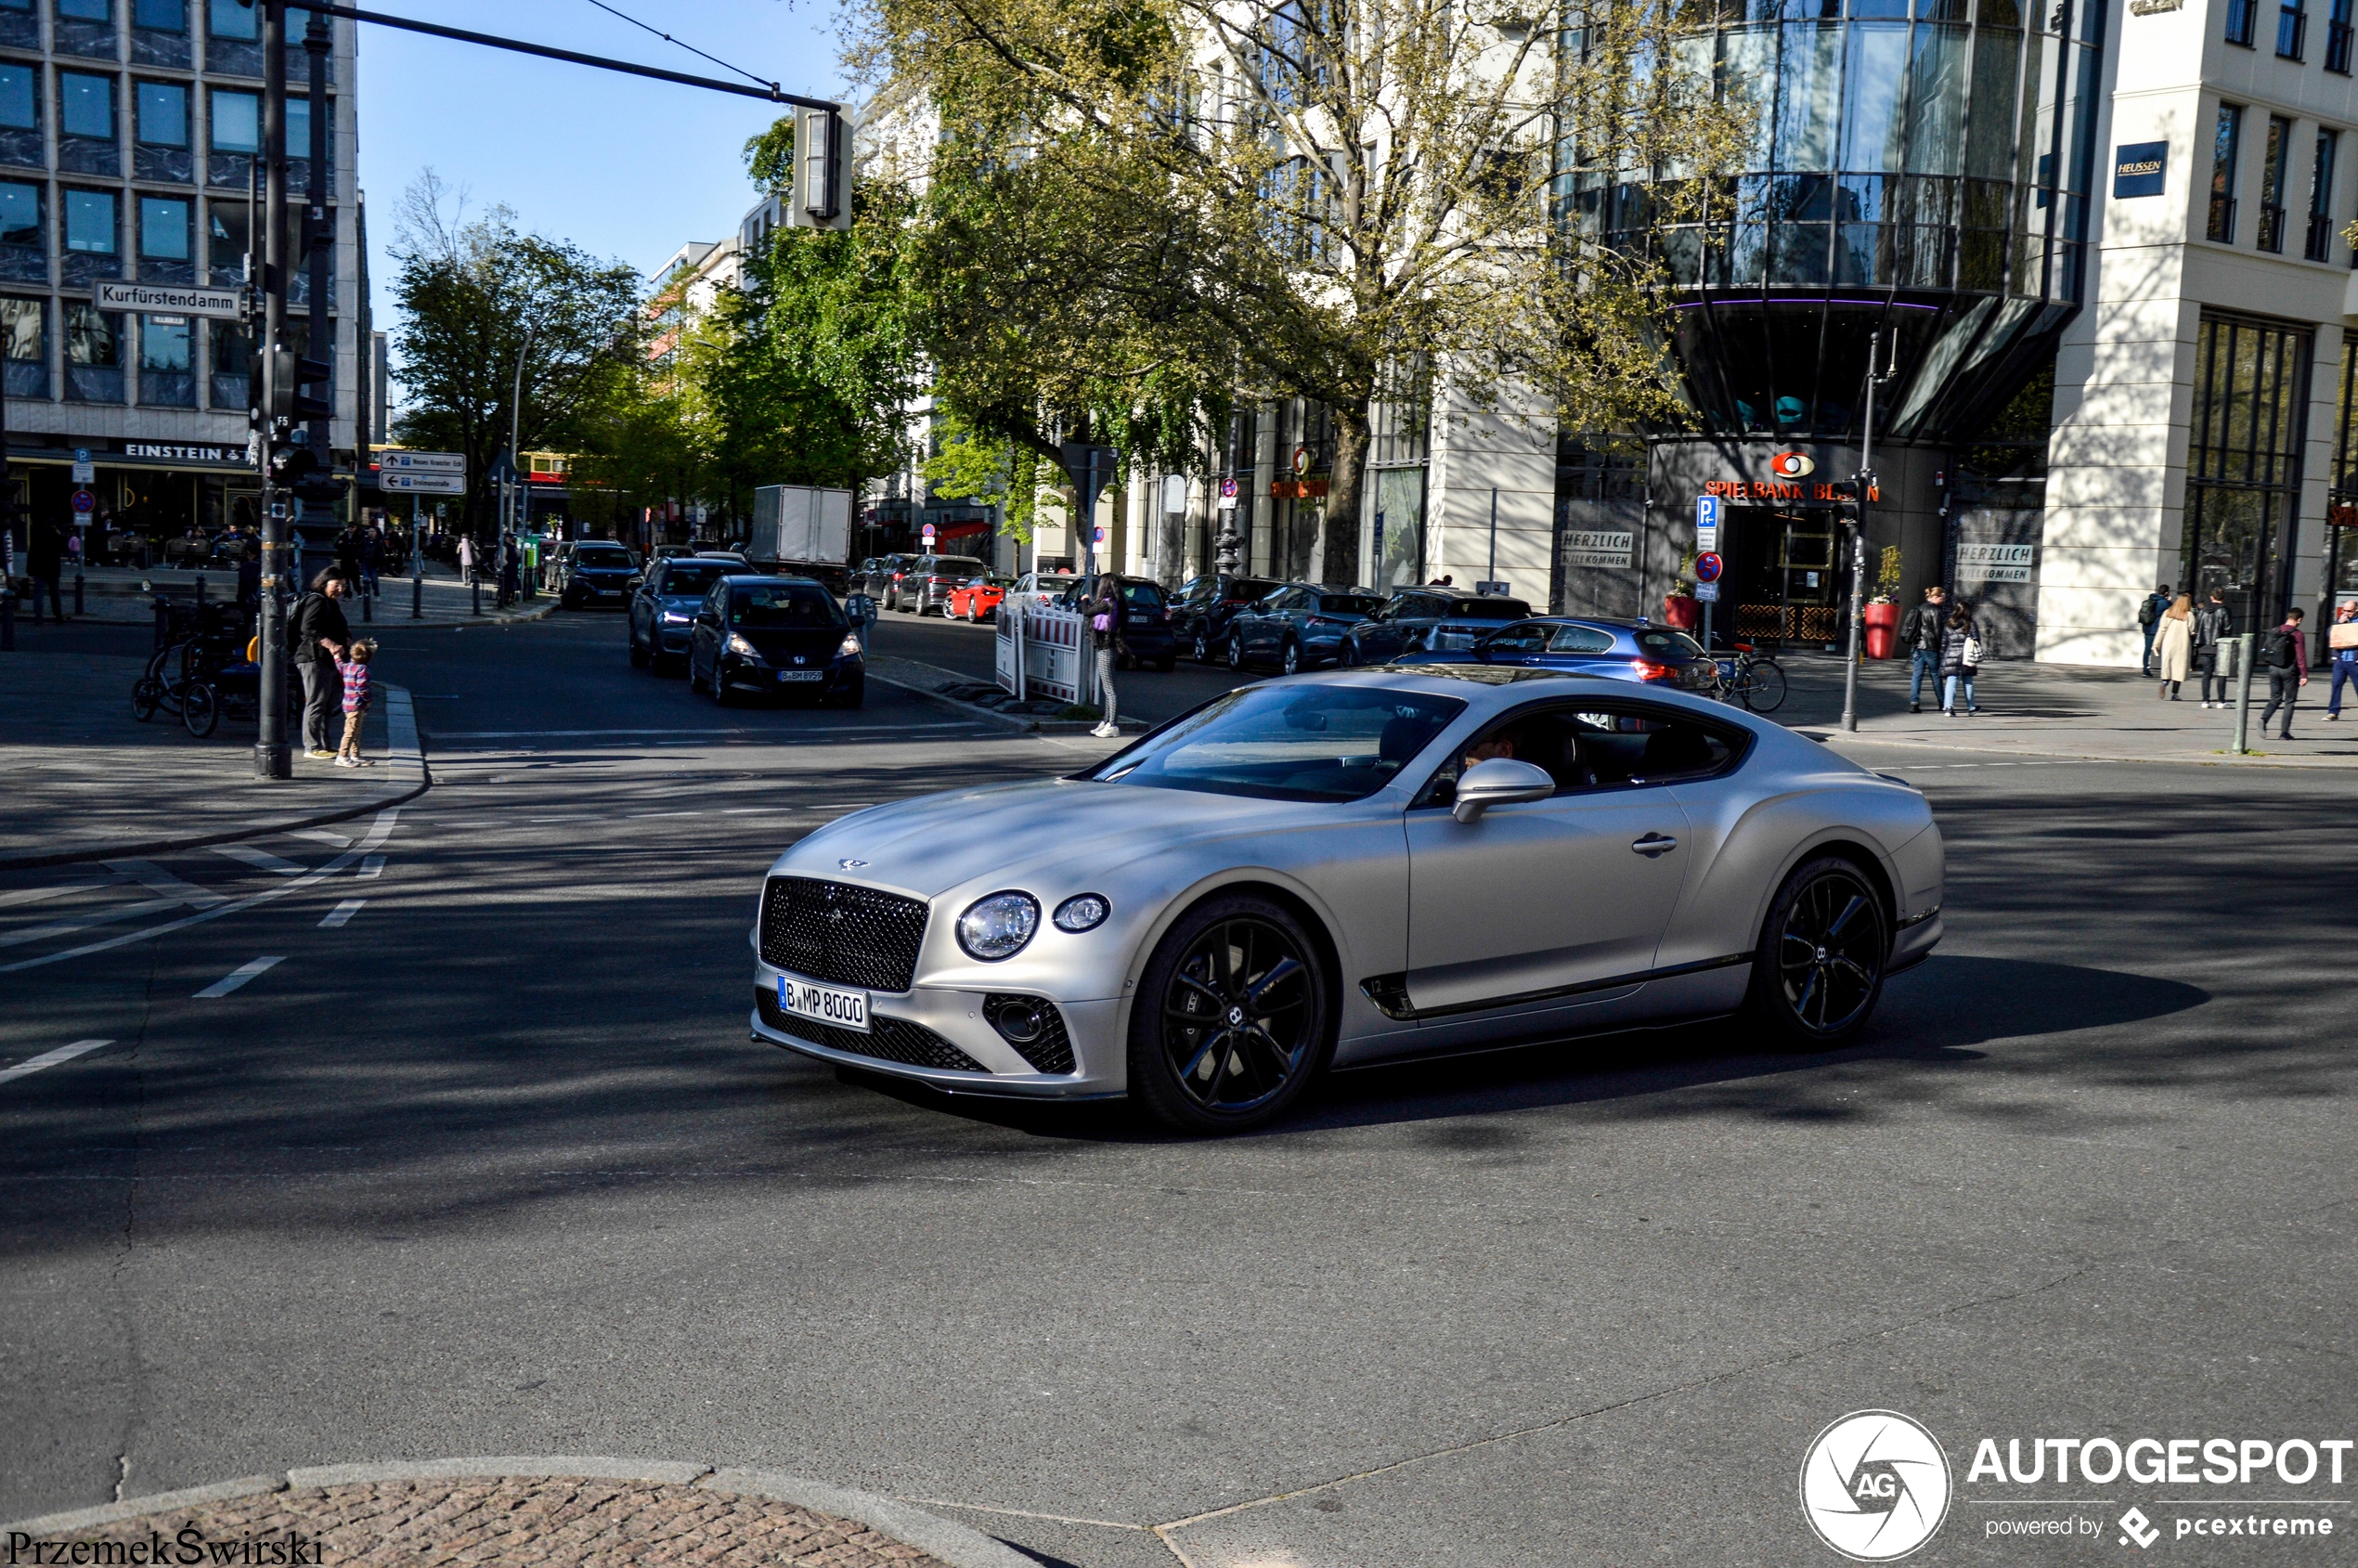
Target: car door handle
[{"x": 1654, "y": 844}]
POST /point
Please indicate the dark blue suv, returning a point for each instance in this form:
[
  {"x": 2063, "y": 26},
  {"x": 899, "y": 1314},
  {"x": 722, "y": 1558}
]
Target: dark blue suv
[
  {"x": 1300, "y": 626},
  {"x": 1616, "y": 649}
]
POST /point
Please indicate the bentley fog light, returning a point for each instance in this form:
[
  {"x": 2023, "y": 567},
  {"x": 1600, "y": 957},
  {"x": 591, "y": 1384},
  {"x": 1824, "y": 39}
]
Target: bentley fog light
[{"x": 997, "y": 926}]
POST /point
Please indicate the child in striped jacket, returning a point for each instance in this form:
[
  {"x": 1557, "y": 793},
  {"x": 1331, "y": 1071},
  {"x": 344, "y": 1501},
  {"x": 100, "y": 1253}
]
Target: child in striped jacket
[{"x": 354, "y": 667}]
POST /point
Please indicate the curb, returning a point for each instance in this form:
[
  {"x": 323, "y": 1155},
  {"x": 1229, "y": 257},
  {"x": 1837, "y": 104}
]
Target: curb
[
  {"x": 1025, "y": 723},
  {"x": 1836, "y": 735},
  {"x": 401, "y": 728},
  {"x": 944, "y": 1539},
  {"x": 966, "y": 710}
]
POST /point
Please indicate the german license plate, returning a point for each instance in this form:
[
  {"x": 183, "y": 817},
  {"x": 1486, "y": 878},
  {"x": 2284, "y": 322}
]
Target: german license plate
[
  {"x": 824, "y": 1004},
  {"x": 802, "y": 675}
]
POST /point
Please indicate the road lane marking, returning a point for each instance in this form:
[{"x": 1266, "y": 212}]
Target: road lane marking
[
  {"x": 341, "y": 914},
  {"x": 535, "y": 821},
  {"x": 337, "y": 840},
  {"x": 157, "y": 880},
  {"x": 51, "y": 1058},
  {"x": 822, "y": 729},
  {"x": 261, "y": 859},
  {"x": 380, "y": 830},
  {"x": 104, "y": 917},
  {"x": 371, "y": 866},
  {"x": 39, "y": 895},
  {"x": 664, "y": 813},
  {"x": 236, "y": 977}
]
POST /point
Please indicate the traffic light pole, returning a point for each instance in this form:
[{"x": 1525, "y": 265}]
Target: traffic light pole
[
  {"x": 320, "y": 230},
  {"x": 273, "y": 756}
]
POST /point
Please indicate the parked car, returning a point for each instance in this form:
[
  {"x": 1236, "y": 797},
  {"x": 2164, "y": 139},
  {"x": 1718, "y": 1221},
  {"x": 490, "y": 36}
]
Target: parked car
[
  {"x": 1616, "y": 649},
  {"x": 979, "y": 600},
  {"x": 1356, "y": 867},
  {"x": 1429, "y": 620},
  {"x": 875, "y": 576},
  {"x": 1146, "y": 620},
  {"x": 1042, "y": 586},
  {"x": 1300, "y": 626},
  {"x": 595, "y": 572},
  {"x": 927, "y": 587},
  {"x": 664, "y": 607},
  {"x": 1201, "y": 610},
  {"x": 777, "y": 636}
]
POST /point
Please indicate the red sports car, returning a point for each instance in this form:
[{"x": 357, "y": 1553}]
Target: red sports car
[{"x": 978, "y": 601}]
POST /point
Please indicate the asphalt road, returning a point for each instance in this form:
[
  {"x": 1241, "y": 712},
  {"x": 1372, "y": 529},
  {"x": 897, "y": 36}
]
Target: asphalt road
[{"x": 490, "y": 1166}]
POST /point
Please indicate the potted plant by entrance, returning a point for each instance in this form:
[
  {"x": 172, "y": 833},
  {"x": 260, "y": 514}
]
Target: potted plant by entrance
[
  {"x": 1883, "y": 610},
  {"x": 1680, "y": 610}
]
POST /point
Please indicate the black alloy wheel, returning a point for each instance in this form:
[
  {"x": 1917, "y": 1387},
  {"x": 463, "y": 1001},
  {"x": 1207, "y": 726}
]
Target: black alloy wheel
[
  {"x": 1231, "y": 1023},
  {"x": 1203, "y": 646},
  {"x": 1235, "y": 650},
  {"x": 1350, "y": 655},
  {"x": 1290, "y": 660},
  {"x": 1820, "y": 967}
]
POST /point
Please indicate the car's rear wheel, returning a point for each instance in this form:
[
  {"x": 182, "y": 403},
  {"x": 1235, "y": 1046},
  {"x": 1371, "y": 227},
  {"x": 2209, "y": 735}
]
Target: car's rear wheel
[
  {"x": 1235, "y": 651},
  {"x": 1203, "y": 647},
  {"x": 1232, "y": 1021},
  {"x": 1290, "y": 659},
  {"x": 1820, "y": 967}
]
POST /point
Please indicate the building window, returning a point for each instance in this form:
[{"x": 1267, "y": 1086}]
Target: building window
[
  {"x": 2243, "y": 464},
  {"x": 225, "y": 240},
  {"x": 160, "y": 16},
  {"x": 24, "y": 249},
  {"x": 2272, "y": 184},
  {"x": 2337, "y": 38},
  {"x": 90, "y": 221},
  {"x": 94, "y": 354},
  {"x": 236, "y": 121},
  {"x": 2225, "y": 143},
  {"x": 165, "y": 239},
  {"x": 229, "y": 19},
  {"x": 19, "y": 24},
  {"x": 24, "y": 347},
  {"x": 163, "y": 113},
  {"x": 167, "y": 362},
  {"x": 231, "y": 351},
  {"x": 2320, "y": 245},
  {"x": 19, "y": 105},
  {"x": 86, "y": 106},
  {"x": 2292, "y": 29},
  {"x": 86, "y": 10},
  {"x": 2239, "y": 17}
]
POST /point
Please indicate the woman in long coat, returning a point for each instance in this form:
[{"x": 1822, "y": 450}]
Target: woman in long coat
[{"x": 2174, "y": 644}]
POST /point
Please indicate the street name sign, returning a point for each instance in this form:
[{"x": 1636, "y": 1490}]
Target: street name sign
[
  {"x": 422, "y": 463},
  {"x": 173, "y": 299},
  {"x": 428, "y": 484}
]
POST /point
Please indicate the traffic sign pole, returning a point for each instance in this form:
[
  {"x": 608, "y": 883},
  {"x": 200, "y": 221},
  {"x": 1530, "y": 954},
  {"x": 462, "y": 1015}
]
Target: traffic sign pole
[{"x": 1707, "y": 509}]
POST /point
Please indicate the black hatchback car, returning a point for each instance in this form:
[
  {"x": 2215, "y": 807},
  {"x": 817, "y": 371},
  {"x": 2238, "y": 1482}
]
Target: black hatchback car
[
  {"x": 1300, "y": 626},
  {"x": 1201, "y": 613},
  {"x": 778, "y": 636},
  {"x": 1146, "y": 620},
  {"x": 596, "y": 572},
  {"x": 1429, "y": 620}
]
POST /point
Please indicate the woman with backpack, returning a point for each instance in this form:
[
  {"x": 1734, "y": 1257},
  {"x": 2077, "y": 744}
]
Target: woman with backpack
[
  {"x": 1960, "y": 657},
  {"x": 1105, "y": 638}
]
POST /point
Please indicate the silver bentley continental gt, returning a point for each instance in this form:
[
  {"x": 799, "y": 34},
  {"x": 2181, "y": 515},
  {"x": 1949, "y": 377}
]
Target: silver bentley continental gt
[{"x": 1340, "y": 870}]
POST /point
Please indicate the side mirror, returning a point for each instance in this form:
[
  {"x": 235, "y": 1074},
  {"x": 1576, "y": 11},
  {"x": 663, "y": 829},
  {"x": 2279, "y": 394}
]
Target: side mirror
[{"x": 1501, "y": 780}]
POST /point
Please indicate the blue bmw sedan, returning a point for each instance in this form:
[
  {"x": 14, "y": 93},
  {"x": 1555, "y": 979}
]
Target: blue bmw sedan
[{"x": 1617, "y": 649}]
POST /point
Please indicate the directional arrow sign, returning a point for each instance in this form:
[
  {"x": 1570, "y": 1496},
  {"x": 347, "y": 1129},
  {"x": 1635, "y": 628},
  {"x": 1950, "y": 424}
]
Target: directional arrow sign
[
  {"x": 423, "y": 483},
  {"x": 422, "y": 463}
]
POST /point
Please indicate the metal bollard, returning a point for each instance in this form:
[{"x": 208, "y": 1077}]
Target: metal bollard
[
  {"x": 474, "y": 591},
  {"x": 2246, "y": 646},
  {"x": 417, "y": 596},
  {"x": 77, "y": 591}
]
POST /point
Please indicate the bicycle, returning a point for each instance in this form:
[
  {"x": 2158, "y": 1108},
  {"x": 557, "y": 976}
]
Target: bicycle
[{"x": 1752, "y": 678}]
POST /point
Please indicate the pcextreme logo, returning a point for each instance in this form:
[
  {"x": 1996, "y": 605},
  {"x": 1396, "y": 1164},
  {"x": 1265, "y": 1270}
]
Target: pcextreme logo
[
  {"x": 1792, "y": 465},
  {"x": 1875, "y": 1486}
]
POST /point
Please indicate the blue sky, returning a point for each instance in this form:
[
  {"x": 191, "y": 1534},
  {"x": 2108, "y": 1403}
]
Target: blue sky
[{"x": 625, "y": 167}]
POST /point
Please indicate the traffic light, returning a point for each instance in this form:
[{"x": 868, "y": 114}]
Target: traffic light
[
  {"x": 290, "y": 376},
  {"x": 300, "y": 472},
  {"x": 821, "y": 194}
]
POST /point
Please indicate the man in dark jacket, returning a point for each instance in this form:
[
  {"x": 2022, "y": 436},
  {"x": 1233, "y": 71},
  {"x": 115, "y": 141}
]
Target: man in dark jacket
[
  {"x": 2284, "y": 656},
  {"x": 43, "y": 560},
  {"x": 1920, "y": 634},
  {"x": 320, "y": 637},
  {"x": 2214, "y": 625},
  {"x": 2149, "y": 612}
]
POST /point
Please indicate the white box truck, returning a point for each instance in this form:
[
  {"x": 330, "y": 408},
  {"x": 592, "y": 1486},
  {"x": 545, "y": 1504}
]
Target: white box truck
[{"x": 797, "y": 528}]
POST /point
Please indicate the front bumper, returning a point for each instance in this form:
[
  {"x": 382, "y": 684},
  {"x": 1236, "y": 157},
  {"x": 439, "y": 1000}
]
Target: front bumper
[
  {"x": 955, "y": 1017},
  {"x": 1913, "y": 942},
  {"x": 844, "y": 674}
]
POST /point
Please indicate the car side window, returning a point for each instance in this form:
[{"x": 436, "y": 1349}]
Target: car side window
[
  {"x": 1586, "y": 747},
  {"x": 1580, "y": 640},
  {"x": 1528, "y": 637},
  {"x": 1286, "y": 599}
]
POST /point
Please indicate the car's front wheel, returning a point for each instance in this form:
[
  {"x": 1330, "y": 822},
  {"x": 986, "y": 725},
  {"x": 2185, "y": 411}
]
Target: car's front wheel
[
  {"x": 1203, "y": 647},
  {"x": 1290, "y": 660},
  {"x": 1235, "y": 650},
  {"x": 1820, "y": 967},
  {"x": 1232, "y": 1019}
]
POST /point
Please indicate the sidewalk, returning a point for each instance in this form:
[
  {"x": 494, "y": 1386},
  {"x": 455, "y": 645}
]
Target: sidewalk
[
  {"x": 89, "y": 781},
  {"x": 121, "y": 594},
  {"x": 2064, "y": 710}
]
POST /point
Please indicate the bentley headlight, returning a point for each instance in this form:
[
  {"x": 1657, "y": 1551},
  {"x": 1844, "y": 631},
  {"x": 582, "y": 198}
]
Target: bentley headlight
[
  {"x": 849, "y": 649},
  {"x": 741, "y": 648},
  {"x": 997, "y": 926},
  {"x": 1082, "y": 911}
]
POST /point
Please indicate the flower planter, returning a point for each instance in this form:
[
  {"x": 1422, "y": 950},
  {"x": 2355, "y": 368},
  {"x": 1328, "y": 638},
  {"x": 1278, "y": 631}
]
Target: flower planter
[
  {"x": 1883, "y": 629},
  {"x": 1682, "y": 611}
]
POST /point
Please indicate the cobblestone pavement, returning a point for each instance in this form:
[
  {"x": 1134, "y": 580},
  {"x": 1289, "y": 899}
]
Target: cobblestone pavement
[{"x": 537, "y": 1519}]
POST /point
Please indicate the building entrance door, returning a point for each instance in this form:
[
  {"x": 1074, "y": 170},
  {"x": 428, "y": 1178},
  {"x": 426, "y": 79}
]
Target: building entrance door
[{"x": 1781, "y": 574}]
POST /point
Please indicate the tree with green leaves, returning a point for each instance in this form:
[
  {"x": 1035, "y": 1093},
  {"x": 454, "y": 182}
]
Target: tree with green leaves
[{"x": 478, "y": 299}]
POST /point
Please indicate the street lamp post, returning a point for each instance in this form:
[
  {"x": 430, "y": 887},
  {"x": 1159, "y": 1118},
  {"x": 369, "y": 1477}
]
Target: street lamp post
[
  {"x": 1864, "y": 482},
  {"x": 272, "y": 757},
  {"x": 511, "y": 483}
]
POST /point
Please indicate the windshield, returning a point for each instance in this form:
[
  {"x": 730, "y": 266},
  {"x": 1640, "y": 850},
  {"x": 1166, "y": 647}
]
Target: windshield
[
  {"x": 602, "y": 555},
  {"x": 1488, "y": 610},
  {"x": 1348, "y": 605},
  {"x": 1142, "y": 596},
  {"x": 1669, "y": 646},
  {"x": 1287, "y": 742},
  {"x": 961, "y": 566},
  {"x": 788, "y": 607},
  {"x": 698, "y": 580}
]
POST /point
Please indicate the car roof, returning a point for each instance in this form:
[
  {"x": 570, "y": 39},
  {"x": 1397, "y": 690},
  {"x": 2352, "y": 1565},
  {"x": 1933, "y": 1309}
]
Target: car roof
[
  {"x": 1487, "y": 688},
  {"x": 747, "y": 579}
]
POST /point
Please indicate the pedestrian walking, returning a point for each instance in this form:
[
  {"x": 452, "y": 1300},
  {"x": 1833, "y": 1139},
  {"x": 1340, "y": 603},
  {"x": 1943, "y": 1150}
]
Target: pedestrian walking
[
  {"x": 348, "y": 553},
  {"x": 1920, "y": 633},
  {"x": 2149, "y": 611},
  {"x": 1961, "y": 652},
  {"x": 320, "y": 636},
  {"x": 2342, "y": 637},
  {"x": 372, "y": 561},
  {"x": 44, "y": 559},
  {"x": 2174, "y": 645},
  {"x": 2214, "y": 629},
  {"x": 466, "y": 558},
  {"x": 354, "y": 669},
  {"x": 1105, "y": 638},
  {"x": 2284, "y": 656}
]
